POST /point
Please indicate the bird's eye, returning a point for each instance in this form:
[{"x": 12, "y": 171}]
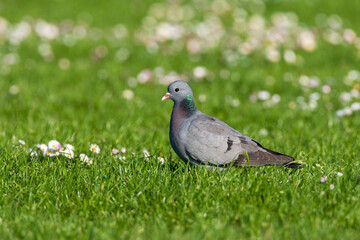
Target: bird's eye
[{"x": 176, "y": 89}]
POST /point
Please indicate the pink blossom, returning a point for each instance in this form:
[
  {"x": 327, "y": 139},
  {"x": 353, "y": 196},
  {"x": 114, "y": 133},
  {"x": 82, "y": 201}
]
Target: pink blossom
[{"x": 323, "y": 179}]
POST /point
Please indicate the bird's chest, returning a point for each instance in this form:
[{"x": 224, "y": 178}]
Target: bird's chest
[
  {"x": 177, "y": 138},
  {"x": 175, "y": 135}
]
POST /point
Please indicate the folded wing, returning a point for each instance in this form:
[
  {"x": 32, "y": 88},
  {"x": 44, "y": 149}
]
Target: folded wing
[{"x": 211, "y": 141}]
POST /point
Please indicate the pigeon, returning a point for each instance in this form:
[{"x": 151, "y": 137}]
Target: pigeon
[{"x": 199, "y": 139}]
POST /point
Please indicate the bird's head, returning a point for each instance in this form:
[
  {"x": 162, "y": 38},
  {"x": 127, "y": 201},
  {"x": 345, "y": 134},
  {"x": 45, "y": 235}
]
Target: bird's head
[{"x": 178, "y": 91}]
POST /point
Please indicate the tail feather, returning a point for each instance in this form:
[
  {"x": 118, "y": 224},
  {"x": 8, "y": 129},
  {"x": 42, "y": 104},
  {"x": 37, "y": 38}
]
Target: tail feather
[{"x": 265, "y": 156}]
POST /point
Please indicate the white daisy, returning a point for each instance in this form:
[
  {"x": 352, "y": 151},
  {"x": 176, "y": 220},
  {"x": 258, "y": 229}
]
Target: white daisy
[
  {"x": 54, "y": 145},
  {"x": 69, "y": 146},
  {"x": 43, "y": 148},
  {"x": 339, "y": 174},
  {"x": 33, "y": 153},
  {"x": 120, "y": 157},
  {"x": 53, "y": 148},
  {"x": 161, "y": 160},
  {"x": 94, "y": 148},
  {"x": 69, "y": 153},
  {"x": 85, "y": 158}
]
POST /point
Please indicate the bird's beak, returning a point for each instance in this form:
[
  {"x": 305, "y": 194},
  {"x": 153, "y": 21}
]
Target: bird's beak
[{"x": 166, "y": 96}]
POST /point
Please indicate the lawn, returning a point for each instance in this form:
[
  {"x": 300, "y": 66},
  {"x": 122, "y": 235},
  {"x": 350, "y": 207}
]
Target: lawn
[{"x": 285, "y": 73}]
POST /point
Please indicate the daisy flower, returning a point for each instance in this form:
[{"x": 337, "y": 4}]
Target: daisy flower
[
  {"x": 323, "y": 179},
  {"x": 53, "y": 148},
  {"x": 94, "y": 148},
  {"x": 43, "y": 148},
  {"x": 69, "y": 146},
  {"x": 52, "y": 153},
  {"x": 68, "y": 152},
  {"x": 85, "y": 158},
  {"x": 33, "y": 153},
  {"x": 339, "y": 174},
  {"x": 123, "y": 150},
  {"x": 120, "y": 157},
  {"x": 161, "y": 160},
  {"x": 114, "y": 151},
  {"x": 55, "y": 145},
  {"x": 146, "y": 154}
]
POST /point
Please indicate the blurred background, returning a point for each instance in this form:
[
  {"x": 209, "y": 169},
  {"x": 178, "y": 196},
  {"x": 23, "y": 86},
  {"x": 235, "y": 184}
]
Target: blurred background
[
  {"x": 284, "y": 72},
  {"x": 96, "y": 70}
]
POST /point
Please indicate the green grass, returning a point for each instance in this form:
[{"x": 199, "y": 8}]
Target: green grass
[{"x": 57, "y": 198}]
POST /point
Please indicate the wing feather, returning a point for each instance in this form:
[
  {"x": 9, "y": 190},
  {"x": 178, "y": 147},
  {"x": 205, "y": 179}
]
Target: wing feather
[{"x": 213, "y": 141}]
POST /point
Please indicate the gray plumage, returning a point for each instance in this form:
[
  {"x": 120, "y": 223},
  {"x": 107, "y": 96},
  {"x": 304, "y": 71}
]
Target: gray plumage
[{"x": 204, "y": 140}]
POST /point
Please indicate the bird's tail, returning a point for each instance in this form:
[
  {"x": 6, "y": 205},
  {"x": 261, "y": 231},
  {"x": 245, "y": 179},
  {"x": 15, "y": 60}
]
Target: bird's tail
[{"x": 265, "y": 156}]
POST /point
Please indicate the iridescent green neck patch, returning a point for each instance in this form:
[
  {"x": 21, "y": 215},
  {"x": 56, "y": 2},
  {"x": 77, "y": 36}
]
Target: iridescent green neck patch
[
  {"x": 188, "y": 104},
  {"x": 189, "y": 98}
]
